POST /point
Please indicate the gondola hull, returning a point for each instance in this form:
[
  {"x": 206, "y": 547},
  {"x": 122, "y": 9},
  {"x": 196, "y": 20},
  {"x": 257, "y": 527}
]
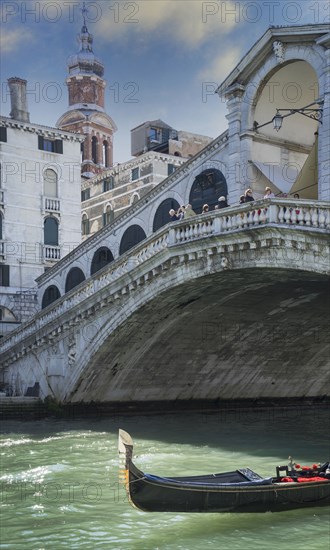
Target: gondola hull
[{"x": 228, "y": 492}]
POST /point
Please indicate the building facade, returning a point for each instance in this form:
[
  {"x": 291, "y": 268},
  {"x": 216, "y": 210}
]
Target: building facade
[
  {"x": 107, "y": 195},
  {"x": 156, "y": 135},
  {"x": 159, "y": 151},
  {"x": 39, "y": 205}
]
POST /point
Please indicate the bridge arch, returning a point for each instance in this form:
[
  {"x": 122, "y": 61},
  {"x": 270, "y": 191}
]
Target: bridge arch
[
  {"x": 208, "y": 329},
  {"x": 162, "y": 216},
  {"x": 50, "y": 295},
  {"x": 207, "y": 187},
  {"x": 74, "y": 278},
  {"x": 102, "y": 257},
  {"x": 132, "y": 236}
]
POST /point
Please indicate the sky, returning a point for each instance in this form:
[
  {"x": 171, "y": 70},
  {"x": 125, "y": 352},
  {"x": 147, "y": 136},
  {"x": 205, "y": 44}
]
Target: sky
[{"x": 163, "y": 58}]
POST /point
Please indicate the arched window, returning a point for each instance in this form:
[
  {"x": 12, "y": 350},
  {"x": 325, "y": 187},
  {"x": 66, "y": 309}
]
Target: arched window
[
  {"x": 135, "y": 198},
  {"x": 51, "y": 294},
  {"x": 108, "y": 215},
  {"x": 51, "y": 231},
  {"x": 105, "y": 153},
  {"x": 132, "y": 236},
  {"x": 102, "y": 257},
  {"x": 85, "y": 225},
  {"x": 50, "y": 183},
  {"x": 162, "y": 216},
  {"x": 207, "y": 188},
  {"x": 74, "y": 278},
  {"x": 94, "y": 150}
]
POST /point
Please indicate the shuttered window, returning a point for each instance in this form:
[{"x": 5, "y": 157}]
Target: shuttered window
[
  {"x": 3, "y": 133},
  {"x": 4, "y": 275},
  {"x": 50, "y": 145}
]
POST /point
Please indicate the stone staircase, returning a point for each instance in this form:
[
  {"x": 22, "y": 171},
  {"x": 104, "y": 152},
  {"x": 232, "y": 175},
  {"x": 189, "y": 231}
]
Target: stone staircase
[{"x": 21, "y": 408}]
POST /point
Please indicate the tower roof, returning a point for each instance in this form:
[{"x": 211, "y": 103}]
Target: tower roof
[{"x": 85, "y": 62}]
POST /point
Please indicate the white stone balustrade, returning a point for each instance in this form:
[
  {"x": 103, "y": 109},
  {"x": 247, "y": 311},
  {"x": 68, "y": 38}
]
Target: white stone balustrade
[{"x": 140, "y": 263}]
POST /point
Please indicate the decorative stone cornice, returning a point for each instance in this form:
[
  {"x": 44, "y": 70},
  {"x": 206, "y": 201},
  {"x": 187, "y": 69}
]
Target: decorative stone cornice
[
  {"x": 255, "y": 57},
  {"x": 46, "y": 131}
]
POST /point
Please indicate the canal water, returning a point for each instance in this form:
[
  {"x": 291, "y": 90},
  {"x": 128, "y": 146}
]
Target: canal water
[{"x": 60, "y": 490}]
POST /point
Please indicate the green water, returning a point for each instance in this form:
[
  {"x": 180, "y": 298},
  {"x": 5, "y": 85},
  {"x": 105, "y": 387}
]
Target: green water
[{"x": 59, "y": 481}]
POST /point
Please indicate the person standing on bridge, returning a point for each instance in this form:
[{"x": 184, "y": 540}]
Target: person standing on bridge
[
  {"x": 248, "y": 195},
  {"x": 222, "y": 202},
  {"x": 268, "y": 193},
  {"x": 181, "y": 212},
  {"x": 173, "y": 215},
  {"x": 205, "y": 209},
  {"x": 189, "y": 213}
]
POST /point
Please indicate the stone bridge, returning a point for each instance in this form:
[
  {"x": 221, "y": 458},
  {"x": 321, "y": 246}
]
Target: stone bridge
[{"x": 228, "y": 305}]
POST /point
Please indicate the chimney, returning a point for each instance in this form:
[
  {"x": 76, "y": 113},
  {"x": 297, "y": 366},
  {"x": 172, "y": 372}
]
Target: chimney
[{"x": 17, "y": 88}]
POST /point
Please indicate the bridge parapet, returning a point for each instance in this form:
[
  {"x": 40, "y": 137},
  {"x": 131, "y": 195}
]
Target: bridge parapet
[{"x": 231, "y": 234}]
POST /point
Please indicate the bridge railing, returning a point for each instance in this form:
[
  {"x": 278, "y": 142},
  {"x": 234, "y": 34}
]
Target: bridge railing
[{"x": 302, "y": 214}]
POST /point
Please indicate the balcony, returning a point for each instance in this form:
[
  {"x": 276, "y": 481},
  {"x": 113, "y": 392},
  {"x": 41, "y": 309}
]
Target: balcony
[
  {"x": 51, "y": 204},
  {"x": 51, "y": 253}
]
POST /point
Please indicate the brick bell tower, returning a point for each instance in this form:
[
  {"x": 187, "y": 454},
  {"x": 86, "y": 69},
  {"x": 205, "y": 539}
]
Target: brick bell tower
[{"x": 86, "y": 113}]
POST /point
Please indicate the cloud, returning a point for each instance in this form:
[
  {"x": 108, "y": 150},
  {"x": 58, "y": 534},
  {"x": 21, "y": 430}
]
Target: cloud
[
  {"x": 189, "y": 22},
  {"x": 11, "y": 39},
  {"x": 221, "y": 65}
]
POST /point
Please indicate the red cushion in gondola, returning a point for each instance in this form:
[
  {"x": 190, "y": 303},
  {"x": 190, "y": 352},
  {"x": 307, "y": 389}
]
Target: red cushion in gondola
[
  {"x": 286, "y": 479},
  {"x": 316, "y": 478}
]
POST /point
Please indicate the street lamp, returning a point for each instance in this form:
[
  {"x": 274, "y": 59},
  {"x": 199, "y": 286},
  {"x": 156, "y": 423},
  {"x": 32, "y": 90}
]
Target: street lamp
[
  {"x": 308, "y": 111},
  {"x": 277, "y": 121}
]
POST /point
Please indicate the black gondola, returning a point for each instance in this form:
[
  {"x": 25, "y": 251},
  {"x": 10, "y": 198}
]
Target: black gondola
[{"x": 238, "y": 491}]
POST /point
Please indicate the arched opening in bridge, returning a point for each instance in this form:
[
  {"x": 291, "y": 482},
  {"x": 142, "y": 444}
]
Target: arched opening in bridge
[
  {"x": 51, "y": 294},
  {"x": 291, "y": 164},
  {"x": 74, "y": 278},
  {"x": 132, "y": 236},
  {"x": 51, "y": 231},
  {"x": 207, "y": 188},
  {"x": 102, "y": 257},
  {"x": 162, "y": 216}
]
